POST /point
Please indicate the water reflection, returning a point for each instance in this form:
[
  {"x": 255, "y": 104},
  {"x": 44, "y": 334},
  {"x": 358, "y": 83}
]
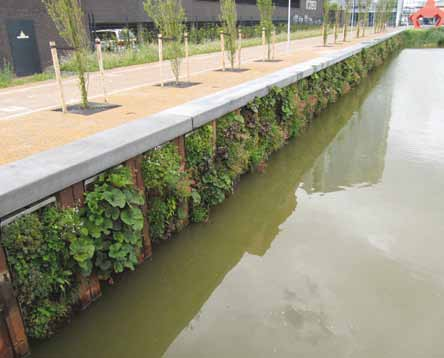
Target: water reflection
[
  {"x": 147, "y": 310},
  {"x": 357, "y": 153}
]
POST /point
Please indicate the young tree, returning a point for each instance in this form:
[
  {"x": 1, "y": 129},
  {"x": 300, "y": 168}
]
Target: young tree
[
  {"x": 325, "y": 21},
  {"x": 347, "y": 5},
  {"x": 336, "y": 9},
  {"x": 69, "y": 20},
  {"x": 266, "y": 10},
  {"x": 228, "y": 17},
  {"x": 358, "y": 18},
  {"x": 368, "y": 5},
  {"x": 169, "y": 17}
]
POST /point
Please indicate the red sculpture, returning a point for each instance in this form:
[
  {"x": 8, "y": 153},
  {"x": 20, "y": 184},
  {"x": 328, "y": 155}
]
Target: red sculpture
[{"x": 429, "y": 10}]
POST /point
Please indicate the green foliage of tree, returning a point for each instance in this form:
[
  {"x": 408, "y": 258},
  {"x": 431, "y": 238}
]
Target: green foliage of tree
[
  {"x": 266, "y": 10},
  {"x": 347, "y": 16},
  {"x": 68, "y": 17},
  {"x": 169, "y": 17},
  {"x": 228, "y": 18},
  {"x": 325, "y": 21}
]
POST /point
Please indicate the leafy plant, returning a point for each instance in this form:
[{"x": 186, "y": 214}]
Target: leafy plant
[
  {"x": 167, "y": 186},
  {"x": 113, "y": 222},
  {"x": 43, "y": 272}
]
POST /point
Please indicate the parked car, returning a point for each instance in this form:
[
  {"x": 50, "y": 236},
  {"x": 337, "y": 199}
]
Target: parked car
[{"x": 116, "y": 39}]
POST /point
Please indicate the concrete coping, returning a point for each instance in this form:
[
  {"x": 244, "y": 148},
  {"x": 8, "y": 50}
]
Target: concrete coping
[{"x": 39, "y": 176}]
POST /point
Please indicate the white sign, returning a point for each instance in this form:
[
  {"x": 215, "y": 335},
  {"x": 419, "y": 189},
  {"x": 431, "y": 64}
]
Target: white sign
[
  {"x": 22, "y": 36},
  {"x": 311, "y": 4}
]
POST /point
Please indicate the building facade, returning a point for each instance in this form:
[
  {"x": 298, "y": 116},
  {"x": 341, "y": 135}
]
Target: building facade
[{"x": 26, "y": 29}]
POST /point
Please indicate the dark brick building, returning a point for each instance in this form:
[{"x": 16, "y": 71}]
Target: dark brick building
[{"x": 26, "y": 29}]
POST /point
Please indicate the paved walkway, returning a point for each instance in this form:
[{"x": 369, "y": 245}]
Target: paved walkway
[
  {"x": 28, "y": 126},
  {"x": 15, "y": 102}
]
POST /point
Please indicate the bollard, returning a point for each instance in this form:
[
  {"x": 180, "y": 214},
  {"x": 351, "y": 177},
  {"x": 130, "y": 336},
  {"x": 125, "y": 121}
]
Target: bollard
[
  {"x": 222, "y": 49},
  {"x": 101, "y": 70},
  {"x": 55, "y": 61},
  {"x": 187, "y": 56},
  {"x": 239, "y": 48},
  {"x": 159, "y": 39},
  {"x": 263, "y": 45}
]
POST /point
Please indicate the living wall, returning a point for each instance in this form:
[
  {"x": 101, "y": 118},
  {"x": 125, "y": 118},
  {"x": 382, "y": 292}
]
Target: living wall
[{"x": 50, "y": 250}]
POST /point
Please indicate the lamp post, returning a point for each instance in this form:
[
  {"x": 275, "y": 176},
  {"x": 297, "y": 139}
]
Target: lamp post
[{"x": 289, "y": 25}]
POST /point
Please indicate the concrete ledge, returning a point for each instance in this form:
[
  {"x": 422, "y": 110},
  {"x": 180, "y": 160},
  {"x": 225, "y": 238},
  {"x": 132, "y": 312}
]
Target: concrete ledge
[{"x": 39, "y": 176}]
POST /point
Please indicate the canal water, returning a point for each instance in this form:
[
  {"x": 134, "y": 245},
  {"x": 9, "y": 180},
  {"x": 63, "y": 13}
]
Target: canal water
[{"x": 335, "y": 251}]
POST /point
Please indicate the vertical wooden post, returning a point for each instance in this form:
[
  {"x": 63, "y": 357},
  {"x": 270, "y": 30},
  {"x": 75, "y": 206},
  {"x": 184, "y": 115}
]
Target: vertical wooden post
[
  {"x": 274, "y": 44},
  {"x": 55, "y": 61},
  {"x": 214, "y": 142},
  {"x": 222, "y": 49},
  {"x": 180, "y": 144},
  {"x": 187, "y": 56},
  {"x": 11, "y": 314},
  {"x": 135, "y": 165},
  {"x": 159, "y": 40},
  {"x": 263, "y": 45},
  {"x": 89, "y": 287},
  {"x": 101, "y": 69},
  {"x": 239, "y": 48}
]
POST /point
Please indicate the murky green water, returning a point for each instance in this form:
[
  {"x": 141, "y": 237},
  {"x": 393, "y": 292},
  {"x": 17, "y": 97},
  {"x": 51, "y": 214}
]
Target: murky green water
[{"x": 335, "y": 251}]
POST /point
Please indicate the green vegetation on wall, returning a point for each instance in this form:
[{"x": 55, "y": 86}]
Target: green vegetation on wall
[{"x": 50, "y": 249}]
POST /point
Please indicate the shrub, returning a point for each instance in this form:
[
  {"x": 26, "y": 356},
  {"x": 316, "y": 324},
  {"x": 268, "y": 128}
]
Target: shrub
[
  {"x": 167, "y": 188},
  {"x": 113, "y": 223},
  {"x": 43, "y": 272}
]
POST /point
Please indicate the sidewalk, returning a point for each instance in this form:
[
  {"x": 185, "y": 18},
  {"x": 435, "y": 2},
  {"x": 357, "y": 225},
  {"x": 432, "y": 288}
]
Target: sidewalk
[{"x": 27, "y": 125}]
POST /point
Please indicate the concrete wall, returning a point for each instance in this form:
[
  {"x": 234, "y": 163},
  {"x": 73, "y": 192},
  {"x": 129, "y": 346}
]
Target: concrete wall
[{"x": 39, "y": 176}]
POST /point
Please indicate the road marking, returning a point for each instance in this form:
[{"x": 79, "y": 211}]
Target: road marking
[{"x": 12, "y": 109}]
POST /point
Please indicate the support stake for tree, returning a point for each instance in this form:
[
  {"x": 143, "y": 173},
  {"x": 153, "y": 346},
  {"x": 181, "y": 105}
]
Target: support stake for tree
[
  {"x": 101, "y": 69},
  {"x": 159, "y": 39},
  {"x": 263, "y": 45},
  {"x": 239, "y": 48},
  {"x": 55, "y": 61},
  {"x": 187, "y": 56},
  {"x": 222, "y": 50},
  {"x": 273, "y": 34}
]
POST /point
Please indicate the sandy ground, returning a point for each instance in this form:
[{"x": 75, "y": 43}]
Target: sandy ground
[{"x": 134, "y": 90}]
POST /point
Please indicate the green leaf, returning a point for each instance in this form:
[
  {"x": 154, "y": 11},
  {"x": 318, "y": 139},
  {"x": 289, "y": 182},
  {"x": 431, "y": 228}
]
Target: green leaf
[
  {"x": 115, "y": 197},
  {"x": 132, "y": 217}
]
